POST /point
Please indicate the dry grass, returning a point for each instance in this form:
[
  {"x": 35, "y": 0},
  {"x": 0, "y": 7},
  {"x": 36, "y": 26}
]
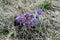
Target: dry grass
[{"x": 50, "y": 21}]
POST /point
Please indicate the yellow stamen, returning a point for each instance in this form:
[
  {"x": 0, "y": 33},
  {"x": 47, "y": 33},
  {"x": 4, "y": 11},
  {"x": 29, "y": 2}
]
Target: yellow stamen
[{"x": 28, "y": 23}]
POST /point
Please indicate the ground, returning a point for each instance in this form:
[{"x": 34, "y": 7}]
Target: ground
[{"x": 11, "y": 8}]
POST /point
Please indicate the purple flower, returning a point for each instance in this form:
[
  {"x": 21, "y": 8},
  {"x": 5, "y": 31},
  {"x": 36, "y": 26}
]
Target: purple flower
[
  {"x": 28, "y": 24},
  {"x": 40, "y": 11},
  {"x": 20, "y": 19},
  {"x": 27, "y": 20},
  {"x": 28, "y": 16},
  {"x": 23, "y": 20},
  {"x": 35, "y": 21},
  {"x": 31, "y": 15}
]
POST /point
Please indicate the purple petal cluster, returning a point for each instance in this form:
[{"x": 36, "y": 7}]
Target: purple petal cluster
[
  {"x": 28, "y": 20},
  {"x": 20, "y": 19},
  {"x": 39, "y": 11}
]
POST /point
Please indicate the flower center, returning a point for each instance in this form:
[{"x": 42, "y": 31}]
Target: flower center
[
  {"x": 27, "y": 16},
  {"x": 28, "y": 23},
  {"x": 23, "y": 20}
]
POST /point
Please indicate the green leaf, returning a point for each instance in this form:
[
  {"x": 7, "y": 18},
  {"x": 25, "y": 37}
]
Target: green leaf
[
  {"x": 46, "y": 5},
  {"x": 53, "y": 36},
  {"x": 5, "y": 32}
]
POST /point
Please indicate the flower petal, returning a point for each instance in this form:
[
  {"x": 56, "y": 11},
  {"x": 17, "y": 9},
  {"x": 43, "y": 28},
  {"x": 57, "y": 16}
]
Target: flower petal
[
  {"x": 40, "y": 11},
  {"x": 18, "y": 18}
]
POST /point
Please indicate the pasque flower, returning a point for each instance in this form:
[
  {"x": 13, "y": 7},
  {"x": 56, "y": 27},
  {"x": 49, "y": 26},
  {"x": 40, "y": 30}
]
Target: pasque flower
[
  {"x": 28, "y": 16},
  {"x": 31, "y": 23},
  {"x": 27, "y": 20},
  {"x": 20, "y": 19},
  {"x": 35, "y": 21},
  {"x": 39, "y": 11},
  {"x": 28, "y": 24},
  {"x": 31, "y": 15}
]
